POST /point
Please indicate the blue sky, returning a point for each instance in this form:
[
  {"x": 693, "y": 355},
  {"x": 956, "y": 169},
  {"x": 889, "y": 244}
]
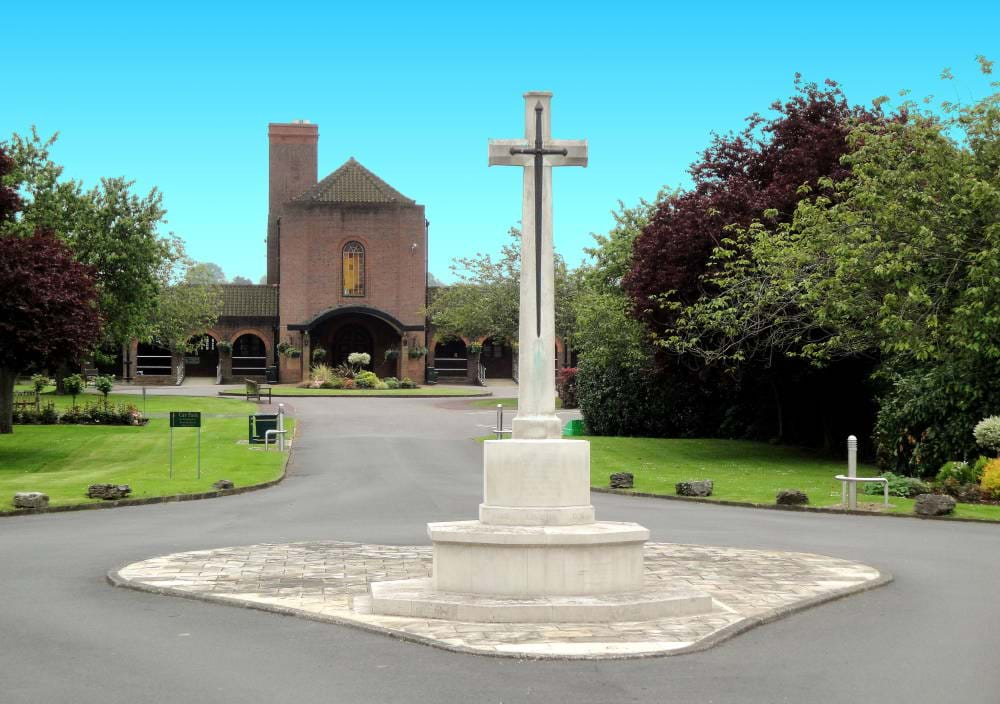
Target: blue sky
[{"x": 179, "y": 95}]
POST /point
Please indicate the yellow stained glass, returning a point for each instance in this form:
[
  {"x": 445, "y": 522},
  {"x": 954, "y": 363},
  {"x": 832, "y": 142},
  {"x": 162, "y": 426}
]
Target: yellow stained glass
[{"x": 354, "y": 269}]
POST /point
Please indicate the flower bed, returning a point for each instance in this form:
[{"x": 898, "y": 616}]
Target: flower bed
[{"x": 96, "y": 413}]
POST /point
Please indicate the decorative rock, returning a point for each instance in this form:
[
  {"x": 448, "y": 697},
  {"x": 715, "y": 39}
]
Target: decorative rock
[
  {"x": 223, "y": 484},
  {"x": 934, "y": 505},
  {"x": 30, "y": 499},
  {"x": 791, "y": 497},
  {"x": 622, "y": 480},
  {"x": 108, "y": 492},
  {"x": 702, "y": 488}
]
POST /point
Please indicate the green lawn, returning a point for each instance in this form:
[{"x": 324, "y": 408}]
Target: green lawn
[
  {"x": 422, "y": 391},
  {"x": 742, "y": 471},
  {"x": 157, "y": 403},
  {"x": 62, "y": 460}
]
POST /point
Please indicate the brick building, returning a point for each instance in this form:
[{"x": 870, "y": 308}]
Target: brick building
[{"x": 346, "y": 272}]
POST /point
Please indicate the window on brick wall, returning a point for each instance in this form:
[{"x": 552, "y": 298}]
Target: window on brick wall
[{"x": 354, "y": 269}]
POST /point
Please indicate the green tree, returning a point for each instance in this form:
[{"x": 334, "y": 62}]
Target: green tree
[
  {"x": 183, "y": 309},
  {"x": 900, "y": 261},
  {"x": 109, "y": 228},
  {"x": 205, "y": 273},
  {"x": 484, "y": 300}
]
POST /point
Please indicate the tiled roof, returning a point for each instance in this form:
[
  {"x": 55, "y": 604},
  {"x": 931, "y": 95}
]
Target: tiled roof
[
  {"x": 249, "y": 301},
  {"x": 353, "y": 183}
]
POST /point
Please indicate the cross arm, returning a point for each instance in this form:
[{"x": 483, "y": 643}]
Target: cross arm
[{"x": 499, "y": 152}]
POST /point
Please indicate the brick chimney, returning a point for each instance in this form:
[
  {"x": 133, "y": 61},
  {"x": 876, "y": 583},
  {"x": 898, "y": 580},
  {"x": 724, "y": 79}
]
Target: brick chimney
[{"x": 292, "y": 169}]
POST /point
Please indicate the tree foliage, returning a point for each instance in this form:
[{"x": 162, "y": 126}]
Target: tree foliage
[
  {"x": 484, "y": 300},
  {"x": 109, "y": 228},
  {"x": 48, "y": 310},
  {"x": 898, "y": 261},
  {"x": 184, "y": 308}
]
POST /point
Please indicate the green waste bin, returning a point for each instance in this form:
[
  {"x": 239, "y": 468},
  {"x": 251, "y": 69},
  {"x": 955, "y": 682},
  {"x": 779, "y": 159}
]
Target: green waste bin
[
  {"x": 259, "y": 424},
  {"x": 574, "y": 428}
]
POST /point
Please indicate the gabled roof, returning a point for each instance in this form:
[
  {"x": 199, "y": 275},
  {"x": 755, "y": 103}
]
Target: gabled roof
[
  {"x": 249, "y": 301},
  {"x": 353, "y": 183}
]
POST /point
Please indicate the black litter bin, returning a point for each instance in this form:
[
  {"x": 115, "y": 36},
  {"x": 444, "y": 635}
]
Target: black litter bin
[
  {"x": 272, "y": 375},
  {"x": 259, "y": 424},
  {"x": 431, "y": 375}
]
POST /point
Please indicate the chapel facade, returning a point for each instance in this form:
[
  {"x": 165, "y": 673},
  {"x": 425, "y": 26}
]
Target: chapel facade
[{"x": 346, "y": 272}]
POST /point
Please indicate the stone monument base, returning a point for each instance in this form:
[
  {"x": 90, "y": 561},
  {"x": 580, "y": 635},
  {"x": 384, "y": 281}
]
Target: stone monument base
[
  {"x": 541, "y": 574},
  {"x": 417, "y": 598}
]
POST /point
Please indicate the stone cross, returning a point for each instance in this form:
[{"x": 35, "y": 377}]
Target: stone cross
[{"x": 537, "y": 153}]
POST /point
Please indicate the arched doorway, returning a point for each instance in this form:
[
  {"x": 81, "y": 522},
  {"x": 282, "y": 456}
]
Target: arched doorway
[
  {"x": 451, "y": 359},
  {"x": 352, "y": 338},
  {"x": 249, "y": 356},
  {"x": 498, "y": 358},
  {"x": 203, "y": 357}
]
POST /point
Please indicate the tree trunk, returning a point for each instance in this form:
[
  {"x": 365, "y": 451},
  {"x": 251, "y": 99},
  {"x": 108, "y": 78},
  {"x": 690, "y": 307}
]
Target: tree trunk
[
  {"x": 779, "y": 412},
  {"x": 62, "y": 371},
  {"x": 7, "y": 377}
]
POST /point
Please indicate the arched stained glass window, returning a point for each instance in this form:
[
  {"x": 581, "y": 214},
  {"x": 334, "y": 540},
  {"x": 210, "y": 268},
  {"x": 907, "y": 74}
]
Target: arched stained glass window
[{"x": 354, "y": 269}]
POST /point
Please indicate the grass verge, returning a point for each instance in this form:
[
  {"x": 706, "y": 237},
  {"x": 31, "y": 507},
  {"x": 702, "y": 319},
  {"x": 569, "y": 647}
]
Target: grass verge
[
  {"x": 742, "y": 471},
  {"x": 62, "y": 460}
]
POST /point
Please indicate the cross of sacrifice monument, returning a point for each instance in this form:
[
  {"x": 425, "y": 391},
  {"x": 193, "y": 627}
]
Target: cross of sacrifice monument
[
  {"x": 536, "y": 554},
  {"x": 537, "y": 153}
]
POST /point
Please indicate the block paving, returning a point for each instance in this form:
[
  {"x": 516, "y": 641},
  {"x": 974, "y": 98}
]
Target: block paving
[{"x": 328, "y": 581}]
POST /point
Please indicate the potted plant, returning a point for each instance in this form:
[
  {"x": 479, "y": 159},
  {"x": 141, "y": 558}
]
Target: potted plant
[
  {"x": 318, "y": 355},
  {"x": 417, "y": 352},
  {"x": 224, "y": 346},
  {"x": 474, "y": 348},
  {"x": 391, "y": 354}
]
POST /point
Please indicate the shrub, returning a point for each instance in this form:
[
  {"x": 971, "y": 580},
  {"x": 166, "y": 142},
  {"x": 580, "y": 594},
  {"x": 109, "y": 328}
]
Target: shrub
[
  {"x": 956, "y": 472},
  {"x": 104, "y": 384},
  {"x": 48, "y": 415},
  {"x": 407, "y": 383},
  {"x": 987, "y": 433},
  {"x": 74, "y": 385},
  {"x": 348, "y": 384},
  {"x": 979, "y": 467},
  {"x": 391, "y": 382},
  {"x": 40, "y": 381},
  {"x": 359, "y": 359},
  {"x": 344, "y": 371},
  {"x": 903, "y": 487},
  {"x": 990, "y": 483},
  {"x": 365, "y": 380},
  {"x": 566, "y": 387},
  {"x": 321, "y": 374},
  {"x": 381, "y": 386}
]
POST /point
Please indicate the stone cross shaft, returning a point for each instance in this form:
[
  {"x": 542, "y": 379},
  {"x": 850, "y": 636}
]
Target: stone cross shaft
[{"x": 537, "y": 153}]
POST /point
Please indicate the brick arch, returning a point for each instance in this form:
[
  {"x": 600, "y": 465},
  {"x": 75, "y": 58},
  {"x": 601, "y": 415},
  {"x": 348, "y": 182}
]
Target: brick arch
[{"x": 252, "y": 331}]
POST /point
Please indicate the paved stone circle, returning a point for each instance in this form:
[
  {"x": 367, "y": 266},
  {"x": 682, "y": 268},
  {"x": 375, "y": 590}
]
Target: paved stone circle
[{"x": 328, "y": 581}]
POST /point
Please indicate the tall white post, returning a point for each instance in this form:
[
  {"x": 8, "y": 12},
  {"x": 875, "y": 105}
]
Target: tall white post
[
  {"x": 281, "y": 427},
  {"x": 536, "y": 411},
  {"x": 852, "y": 471}
]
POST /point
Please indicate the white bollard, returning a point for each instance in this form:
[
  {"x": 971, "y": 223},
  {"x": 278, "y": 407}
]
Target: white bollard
[
  {"x": 852, "y": 471},
  {"x": 281, "y": 427}
]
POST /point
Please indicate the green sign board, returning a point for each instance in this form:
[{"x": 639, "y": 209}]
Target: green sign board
[{"x": 185, "y": 419}]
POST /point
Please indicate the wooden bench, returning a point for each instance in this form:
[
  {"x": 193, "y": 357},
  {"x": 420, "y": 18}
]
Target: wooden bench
[
  {"x": 255, "y": 391},
  {"x": 26, "y": 399},
  {"x": 90, "y": 374}
]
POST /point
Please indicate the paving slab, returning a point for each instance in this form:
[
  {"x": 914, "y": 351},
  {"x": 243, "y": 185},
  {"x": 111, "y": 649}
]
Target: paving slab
[{"x": 329, "y": 581}]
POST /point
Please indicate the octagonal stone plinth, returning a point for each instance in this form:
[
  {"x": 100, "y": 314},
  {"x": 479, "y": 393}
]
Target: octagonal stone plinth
[{"x": 580, "y": 560}]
